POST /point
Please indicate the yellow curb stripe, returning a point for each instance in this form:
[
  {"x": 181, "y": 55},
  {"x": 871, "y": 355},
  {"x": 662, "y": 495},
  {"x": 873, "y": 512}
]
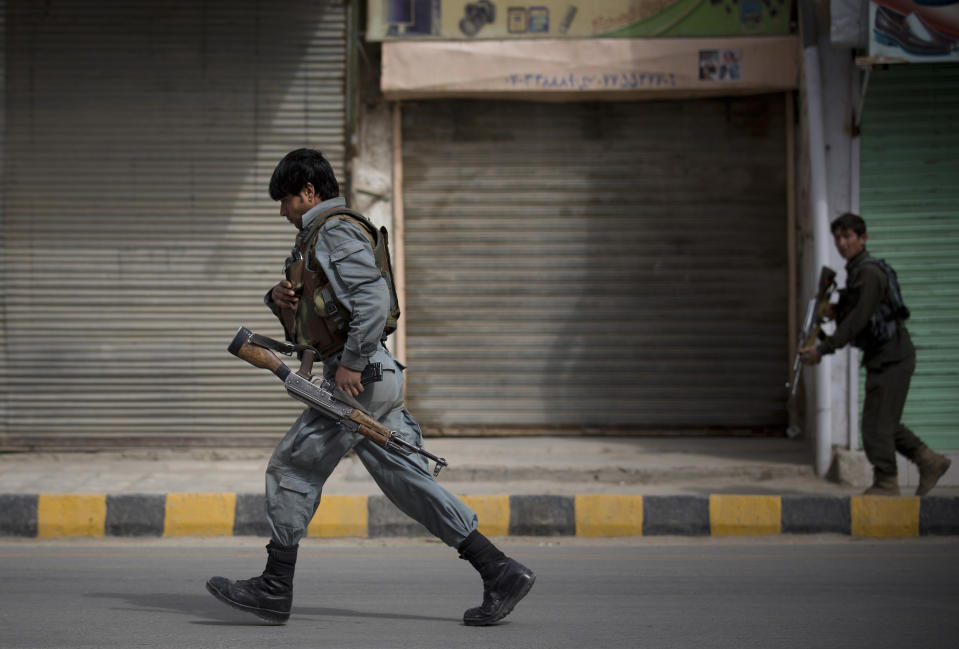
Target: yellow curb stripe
[
  {"x": 884, "y": 516},
  {"x": 199, "y": 514},
  {"x": 71, "y": 515},
  {"x": 340, "y": 516},
  {"x": 492, "y": 512},
  {"x": 745, "y": 515},
  {"x": 605, "y": 515}
]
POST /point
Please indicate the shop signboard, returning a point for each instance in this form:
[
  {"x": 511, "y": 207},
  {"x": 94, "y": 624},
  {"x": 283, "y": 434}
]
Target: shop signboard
[
  {"x": 493, "y": 19},
  {"x": 605, "y": 69}
]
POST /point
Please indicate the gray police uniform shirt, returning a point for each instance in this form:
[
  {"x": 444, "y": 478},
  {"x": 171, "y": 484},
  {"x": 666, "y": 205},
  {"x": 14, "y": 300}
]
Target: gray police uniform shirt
[{"x": 346, "y": 257}]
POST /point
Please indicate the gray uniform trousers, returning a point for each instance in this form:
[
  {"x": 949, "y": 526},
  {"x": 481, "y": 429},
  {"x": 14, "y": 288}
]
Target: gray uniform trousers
[{"x": 314, "y": 445}]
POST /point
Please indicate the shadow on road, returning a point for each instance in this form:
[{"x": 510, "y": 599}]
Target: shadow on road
[{"x": 221, "y": 614}]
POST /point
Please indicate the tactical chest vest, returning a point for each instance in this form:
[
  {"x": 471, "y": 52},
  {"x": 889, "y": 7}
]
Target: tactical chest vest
[
  {"x": 321, "y": 321},
  {"x": 888, "y": 316}
]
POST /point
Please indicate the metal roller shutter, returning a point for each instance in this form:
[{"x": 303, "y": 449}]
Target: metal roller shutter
[
  {"x": 4, "y": 383},
  {"x": 596, "y": 265},
  {"x": 137, "y": 233},
  {"x": 909, "y": 198}
]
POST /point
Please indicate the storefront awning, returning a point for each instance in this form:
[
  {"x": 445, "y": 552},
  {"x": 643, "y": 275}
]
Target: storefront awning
[{"x": 590, "y": 69}]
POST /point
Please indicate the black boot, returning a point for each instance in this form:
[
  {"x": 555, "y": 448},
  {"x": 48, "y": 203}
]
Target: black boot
[
  {"x": 269, "y": 596},
  {"x": 505, "y": 581}
]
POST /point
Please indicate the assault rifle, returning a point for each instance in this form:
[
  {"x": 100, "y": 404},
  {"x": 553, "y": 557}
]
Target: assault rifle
[
  {"x": 250, "y": 347},
  {"x": 812, "y": 325}
]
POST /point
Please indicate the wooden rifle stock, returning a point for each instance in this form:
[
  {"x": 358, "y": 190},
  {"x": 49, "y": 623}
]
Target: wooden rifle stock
[
  {"x": 241, "y": 347},
  {"x": 370, "y": 427}
]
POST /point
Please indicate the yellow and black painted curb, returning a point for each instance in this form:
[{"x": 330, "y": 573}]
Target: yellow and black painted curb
[{"x": 593, "y": 515}]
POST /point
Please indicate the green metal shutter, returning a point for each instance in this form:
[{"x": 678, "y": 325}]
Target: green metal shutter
[
  {"x": 137, "y": 232},
  {"x": 616, "y": 265},
  {"x": 910, "y": 200}
]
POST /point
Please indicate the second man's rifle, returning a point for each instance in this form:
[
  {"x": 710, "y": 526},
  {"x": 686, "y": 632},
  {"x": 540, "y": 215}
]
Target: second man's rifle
[{"x": 816, "y": 314}]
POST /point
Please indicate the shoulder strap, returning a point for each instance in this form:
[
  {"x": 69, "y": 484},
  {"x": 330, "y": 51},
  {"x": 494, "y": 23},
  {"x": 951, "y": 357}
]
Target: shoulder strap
[
  {"x": 854, "y": 270},
  {"x": 879, "y": 263},
  {"x": 893, "y": 292},
  {"x": 355, "y": 218},
  {"x": 344, "y": 213}
]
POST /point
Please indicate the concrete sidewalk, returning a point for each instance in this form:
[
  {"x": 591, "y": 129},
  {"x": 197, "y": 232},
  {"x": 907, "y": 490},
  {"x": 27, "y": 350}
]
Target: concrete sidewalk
[{"x": 531, "y": 485}]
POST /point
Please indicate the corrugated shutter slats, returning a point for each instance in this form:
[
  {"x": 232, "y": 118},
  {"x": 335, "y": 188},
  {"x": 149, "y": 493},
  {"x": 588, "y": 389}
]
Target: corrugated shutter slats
[
  {"x": 138, "y": 233},
  {"x": 608, "y": 265},
  {"x": 909, "y": 198}
]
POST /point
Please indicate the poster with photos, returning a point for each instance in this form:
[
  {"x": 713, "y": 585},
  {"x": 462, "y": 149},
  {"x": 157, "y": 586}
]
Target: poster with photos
[{"x": 720, "y": 65}]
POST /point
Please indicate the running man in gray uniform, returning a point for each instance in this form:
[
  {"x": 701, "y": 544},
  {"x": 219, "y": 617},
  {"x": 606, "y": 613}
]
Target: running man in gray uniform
[{"x": 347, "y": 309}]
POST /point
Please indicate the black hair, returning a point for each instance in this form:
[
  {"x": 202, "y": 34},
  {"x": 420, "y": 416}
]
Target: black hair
[
  {"x": 849, "y": 221},
  {"x": 300, "y": 167}
]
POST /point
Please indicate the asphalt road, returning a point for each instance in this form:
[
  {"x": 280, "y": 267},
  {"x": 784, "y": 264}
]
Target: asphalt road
[{"x": 639, "y": 593}]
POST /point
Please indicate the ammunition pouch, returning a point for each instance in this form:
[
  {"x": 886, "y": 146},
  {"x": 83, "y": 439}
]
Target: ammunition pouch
[{"x": 888, "y": 316}]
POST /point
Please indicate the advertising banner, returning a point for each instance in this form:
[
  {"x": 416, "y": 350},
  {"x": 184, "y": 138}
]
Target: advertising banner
[
  {"x": 494, "y": 19},
  {"x": 914, "y": 30}
]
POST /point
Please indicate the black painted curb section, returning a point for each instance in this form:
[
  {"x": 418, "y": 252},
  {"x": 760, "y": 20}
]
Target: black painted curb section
[
  {"x": 816, "y": 515},
  {"x": 938, "y": 516},
  {"x": 542, "y": 516},
  {"x": 135, "y": 515},
  {"x": 249, "y": 518},
  {"x": 18, "y": 515},
  {"x": 676, "y": 515}
]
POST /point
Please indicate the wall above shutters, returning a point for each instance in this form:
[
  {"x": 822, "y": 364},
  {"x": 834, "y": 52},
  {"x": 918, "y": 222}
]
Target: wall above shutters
[
  {"x": 596, "y": 265},
  {"x": 909, "y": 198},
  {"x": 137, "y": 233}
]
